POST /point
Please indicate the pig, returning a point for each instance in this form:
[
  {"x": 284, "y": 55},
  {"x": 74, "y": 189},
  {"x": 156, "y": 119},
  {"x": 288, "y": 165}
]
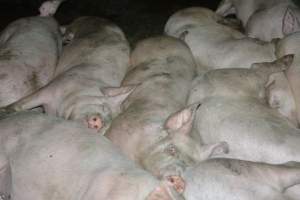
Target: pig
[
  {"x": 264, "y": 20},
  {"x": 277, "y": 22},
  {"x": 230, "y": 179},
  {"x": 271, "y": 87},
  {"x": 59, "y": 159},
  {"x": 287, "y": 45},
  {"x": 253, "y": 131},
  {"x": 29, "y": 52},
  {"x": 215, "y": 45},
  {"x": 233, "y": 109},
  {"x": 237, "y": 82},
  {"x": 152, "y": 130},
  {"x": 49, "y": 8},
  {"x": 88, "y": 76},
  {"x": 244, "y": 9}
]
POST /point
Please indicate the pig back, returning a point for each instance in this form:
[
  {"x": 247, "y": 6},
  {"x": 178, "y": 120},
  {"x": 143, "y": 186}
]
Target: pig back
[
  {"x": 97, "y": 42},
  {"x": 163, "y": 73}
]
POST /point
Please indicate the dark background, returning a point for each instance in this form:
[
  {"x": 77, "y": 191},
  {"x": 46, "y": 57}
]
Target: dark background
[{"x": 138, "y": 18}]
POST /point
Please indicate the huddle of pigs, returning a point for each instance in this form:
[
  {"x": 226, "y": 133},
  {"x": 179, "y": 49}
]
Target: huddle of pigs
[{"x": 202, "y": 112}]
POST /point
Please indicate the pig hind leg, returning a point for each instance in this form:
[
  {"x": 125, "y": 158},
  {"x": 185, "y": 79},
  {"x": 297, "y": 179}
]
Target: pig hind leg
[
  {"x": 5, "y": 179},
  {"x": 36, "y": 99}
]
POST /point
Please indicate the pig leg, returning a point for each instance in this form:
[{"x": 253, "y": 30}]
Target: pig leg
[
  {"x": 38, "y": 98},
  {"x": 281, "y": 177},
  {"x": 293, "y": 193},
  {"x": 225, "y": 8},
  {"x": 5, "y": 179},
  {"x": 48, "y": 8}
]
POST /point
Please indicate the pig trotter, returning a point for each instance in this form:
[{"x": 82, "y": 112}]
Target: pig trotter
[{"x": 4, "y": 197}]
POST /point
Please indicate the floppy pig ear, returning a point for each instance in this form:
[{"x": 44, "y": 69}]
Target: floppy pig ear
[
  {"x": 289, "y": 22},
  {"x": 116, "y": 95},
  {"x": 182, "y": 121}
]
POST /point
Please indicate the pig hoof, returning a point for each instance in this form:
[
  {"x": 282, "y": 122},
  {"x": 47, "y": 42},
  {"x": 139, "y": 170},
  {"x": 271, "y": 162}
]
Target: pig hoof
[
  {"x": 95, "y": 122},
  {"x": 47, "y": 9},
  {"x": 4, "y": 197},
  {"x": 177, "y": 183}
]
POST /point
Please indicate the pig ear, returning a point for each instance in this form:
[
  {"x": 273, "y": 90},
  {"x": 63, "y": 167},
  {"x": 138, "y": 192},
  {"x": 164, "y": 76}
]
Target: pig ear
[
  {"x": 116, "y": 95},
  {"x": 278, "y": 65},
  {"x": 285, "y": 61},
  {"x": 289, "y": 22},
  {"x": 182, "y": 121},
  {"x": 226, "y": 8}
]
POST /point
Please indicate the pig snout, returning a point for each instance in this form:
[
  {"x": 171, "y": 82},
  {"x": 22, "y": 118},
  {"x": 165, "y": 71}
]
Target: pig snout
[{"x": 94, "y": 122}]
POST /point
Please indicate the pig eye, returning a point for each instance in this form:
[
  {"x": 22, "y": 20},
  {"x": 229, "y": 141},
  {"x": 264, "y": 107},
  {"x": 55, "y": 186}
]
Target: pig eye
[{"x": 171, "y": 150}]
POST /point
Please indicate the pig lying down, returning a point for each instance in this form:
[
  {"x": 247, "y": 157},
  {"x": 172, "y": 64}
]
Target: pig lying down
[
  {"x": 215, "y": 45},
  {"x": 29, "y": 51},
  {"x": 89, "y": 74},
  {"x": 277, "y": 17},
  {"x": 152, "y": 130},
  {"x": 234, "y": 110},
  {"x": 228, "y": 179},
  {"x": 58, "y": 159}
]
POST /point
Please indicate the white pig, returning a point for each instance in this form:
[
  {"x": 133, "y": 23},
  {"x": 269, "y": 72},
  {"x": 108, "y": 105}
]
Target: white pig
[
  {"x": 89, "y": 74},
  {"x": 215, "y": 45},
  {"x": 163, "y": 68},
  {"x": 244, "y": 9},
  {"x": 29, "y": 51},
  {"x": 275, "y": 22},
  {"x": 228, "y": 179},
  {"x": 234, "y": 110},
  {"x": 51, "y": 158},
  {"x": 262, "y": 19}
]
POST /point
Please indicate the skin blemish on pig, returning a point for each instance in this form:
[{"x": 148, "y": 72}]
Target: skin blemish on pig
[
  {"x": 6, "y": 55},
  {"x": 33, "y": 80},
  {"x": 3, "y": 76}
]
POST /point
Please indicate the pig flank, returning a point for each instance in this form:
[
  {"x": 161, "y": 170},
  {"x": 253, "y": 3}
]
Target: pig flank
[
  {"x": 200, "y": 28},
  {"x": 64, "y": 160},
  {"x": 88, "y": 76},
  {"x": 30, "y": 48},
  {"x": 233, "y": 109}
]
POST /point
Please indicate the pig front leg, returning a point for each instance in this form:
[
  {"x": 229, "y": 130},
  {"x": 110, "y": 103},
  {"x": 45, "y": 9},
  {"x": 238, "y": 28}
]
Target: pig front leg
[
  {"x": 49, "y": 8},
  {"x": 5, "y": 178},
  {"x": 36, "y": 99}
]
